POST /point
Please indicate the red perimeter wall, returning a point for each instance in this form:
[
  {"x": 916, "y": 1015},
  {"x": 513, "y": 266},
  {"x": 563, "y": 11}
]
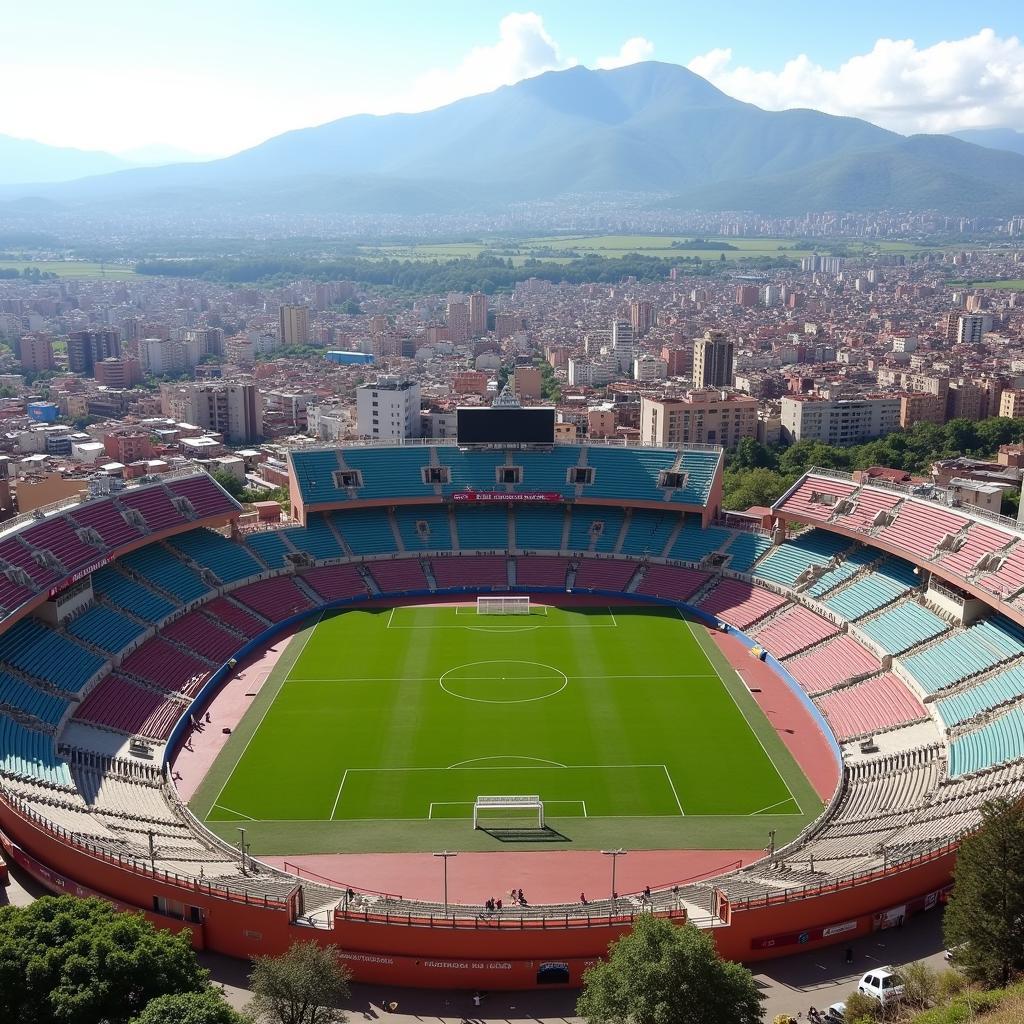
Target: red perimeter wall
[{"x": 485, "y": 956}]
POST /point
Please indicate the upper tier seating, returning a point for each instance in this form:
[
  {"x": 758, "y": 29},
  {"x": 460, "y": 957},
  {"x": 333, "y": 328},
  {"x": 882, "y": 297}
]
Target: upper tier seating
[
  {"x": 13, "y": 552},
  {"x": 815, "y": 498},
  {"x": 118, "y": 703},
  {"x": 919, "y": 527},
  {"x": 898, "y": 629},
  {"x": 793, "y": 630},
  {"x": 106, "y": 519},
  {"x": 470, "y": 471},
  {"x": 627, "y": 473},
  {"x": 58, "y": 536},
  {"x": 40, "y": 651},
  {"x": 539, "y": 528},
  {"x": 867, "y": 504},
  {"x": 694, "y": 544},
  {"x": 393, "y": 576},
  {"x": 156, "y": 565},
  {"x": 424, "y": 527},
  {"x": 883, "y": 585},
  {"x": 27, "y": 753},
  {"x": 672, "y": 582},
  {"x": 315, "y": 474},
  {"x": 132, "y": 596},
  {"x": 366, "y": 531},
  {"x": 739, "y": 603},
  {"x": 199, "y": 633},
  {"x": 105, "y": 628},
  {"x": 832, "y": 663},
  {"x": 317, "y": 539},
  {"x": 998, "y": 741},
  {"x": 269, "y": 545},
  {"x": 1002, "y": 688},
  {"x": 548, "y": 471},
  {"x": 541, "y": 571},
  {"x": 1009, "y": 577},
  {"x": 883, "y": 702},
  {"x": 163, "y": 665},
  {"x": 12, "y": 594},
  {"x": 488, "y": 571},
  {"x": 983, "y": 646},
  {"x": 237, "y": 618},
  {"x": 793, "y": 557},
  {"x": 649, "y": 532},
  {"x": 581, "y": 528},
  {"x": 981, "y": 540},
  {"x": 700, "y": 472},
  {"x": 398, "y": 475},
  {"x": 17, "y": 694},
  {"x": 204, "y": 494},
  {"x": 746, "y": 549},
  {"x": 851, "y": 564},
  {"x": 275, "y": 599},
  {"x": 603, "y": 574},
  {"x": 228, "y": 561},
  {"x": 155, "y": 506},
  {"x": 482, "y": 527}
]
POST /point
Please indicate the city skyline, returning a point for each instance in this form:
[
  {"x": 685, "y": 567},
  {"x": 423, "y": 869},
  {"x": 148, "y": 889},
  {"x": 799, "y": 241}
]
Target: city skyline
[{"x": 217, "y": 84}]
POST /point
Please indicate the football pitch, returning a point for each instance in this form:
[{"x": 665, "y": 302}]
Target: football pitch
[{"x": 380, "y": 728}]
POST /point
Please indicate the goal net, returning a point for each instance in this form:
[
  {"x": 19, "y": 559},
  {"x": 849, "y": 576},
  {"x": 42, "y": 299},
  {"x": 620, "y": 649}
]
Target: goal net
[
  {"x": 506, "y": 809},
  {"x": 504, "y": 605}
]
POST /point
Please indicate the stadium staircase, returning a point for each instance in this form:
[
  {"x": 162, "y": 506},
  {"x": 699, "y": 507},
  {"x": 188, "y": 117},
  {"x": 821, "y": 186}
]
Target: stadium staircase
[
  {"x": 454, "y": 527},
  {"x": 395, "y": 532},
  {"x": 511, "y": 564},
  {"x": 428, "y": 571}
]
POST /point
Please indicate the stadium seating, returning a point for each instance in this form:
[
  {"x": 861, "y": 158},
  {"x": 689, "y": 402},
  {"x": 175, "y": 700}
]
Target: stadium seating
[
  {"x": 142, "y": 602},
  {"x": 488, "y": 571},
  {"x": 27, "y": 753},
  {"x": 547, "y": 472},
  {"x": 230, "y": 614},
  {"x": 882, "y": 702},
  {"x": 105, "y": 628},
  {"x": 366, "y": 531},
  {"x": 793, "y": 557},
  {"x": 981, "y": 540},
  {"x": 694, "y": 544},
  {"x": 832, "y": 663},
  {"x": 197, "y": 632},
  {"x": 154, "y": 505},
  {"x": 581, "y": 528},
  {"x": 317, "y": 538},
  {"x": 794, "y": 630},
  {"x": 397, "y": 576},
  {"x": 276, "y": 599},
  {"x": 58, "y": 536},
  {"x": 161, "y": 664},
  {"x": 315, "y": 475},
  {"x": 851, "y": 564},
  {"x": 541, "y": 571},
  {"x": 471, "y": 470},
  {"x": 908, "y": 624},
  {"x": 13, "y": 552},
  {"x": 649, "y": 532},
  {"x": 12, "y": 594},
  {"x": 40, "y": 651},
  {"x": 106, "y": 519},
  {"x": 1002, "y": 688},
  {"x": 117, "y": 703},
  {"x": 746, "y": 549},
  {"x": 919, "y": 527},
  {"x": 270, "y": 547},
  {"x": 156, "y": 565},
  {"x": 204, "y": 494},
  {"x": 31, "y": 701},
  {"x": 981, "y": 647},
  {"x": 482, "y": 527},
  {"x": 738, "y": 603},
  {"x": 627, "y": 473},
  {"x": 424, "y": 527},
  {"x": 539, "y": 528},
  {"x": 672, "y": 582},
  {"x": 815, "y": 498},
  {"x": 398, "y": 474},
  {"x": 1008, "y": 578},
  {"x": 868, "y": 503},
  {"x": 995, "y": 743},
  {"x": 228, "y": 561},
  {"x": 884, "y": 584},
  {"x": 700, "y": 472},
  {"x": 603, "y": 574}
]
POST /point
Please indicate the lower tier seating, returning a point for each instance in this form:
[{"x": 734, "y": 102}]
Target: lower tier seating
[
  {"x": 740, "y": 604},
  {"x": 793, "y": 630},
  {"x": 832, "y": 663},
  {"x": 118, "y": 703},
  {"x": 882, "y": 702}
]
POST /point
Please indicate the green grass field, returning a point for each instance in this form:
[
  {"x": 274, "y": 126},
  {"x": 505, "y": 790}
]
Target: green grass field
[
  {"x": 71, "y": 268},
  {"x": 380, "y": 728}
]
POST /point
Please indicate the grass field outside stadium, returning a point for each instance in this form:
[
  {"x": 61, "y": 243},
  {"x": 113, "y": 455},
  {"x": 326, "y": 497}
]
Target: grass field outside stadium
[{"x": 379, "y": 728}]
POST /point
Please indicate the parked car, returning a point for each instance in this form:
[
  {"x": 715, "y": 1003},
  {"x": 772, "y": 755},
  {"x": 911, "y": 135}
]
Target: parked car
[
  {"x": 883, "y": 984},
  {"x": 836, "y": 1014}
]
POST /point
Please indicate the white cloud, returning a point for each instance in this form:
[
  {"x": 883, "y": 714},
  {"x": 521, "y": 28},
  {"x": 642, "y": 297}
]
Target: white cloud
[
  {"x": 962, "y": 83},
  {"x": 632, "y": 51}
]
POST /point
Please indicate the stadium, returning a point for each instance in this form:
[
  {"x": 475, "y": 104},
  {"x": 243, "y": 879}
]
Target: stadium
[{"x": 832, "y": 687}]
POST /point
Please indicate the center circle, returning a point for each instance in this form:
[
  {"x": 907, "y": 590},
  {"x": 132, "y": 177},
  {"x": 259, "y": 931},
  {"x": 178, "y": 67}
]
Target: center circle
[{"x": 503, "y": 682}]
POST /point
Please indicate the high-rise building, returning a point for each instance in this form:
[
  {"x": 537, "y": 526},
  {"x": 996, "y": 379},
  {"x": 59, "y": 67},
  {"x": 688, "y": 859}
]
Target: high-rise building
[
  {"x": 526, "y": 383},
  {"x": 1011, "y": 403},
  {"x": 641, "y": 316},
  {"x": 704, "y": 416},
  {"x": 623, "y": 345},
  {"x": 971, "y": 327},
  {"x": 125, "y": 372},
  {"x": 747, "y": 295},
  {"x": 227, "y": 408},
  {"x": 294, "y": 325},
  {"x": 477, "y": 314},
  {"x": 388, "y": 408},
  {"x": 713, "y": 360},
  {"x": 37, "y": 352},
  {"x": 838, "y": 421},
  {"x": 162, "y": 356},
  {"x": 458, "y": 323},
  {"x": 87, "y": 348}
]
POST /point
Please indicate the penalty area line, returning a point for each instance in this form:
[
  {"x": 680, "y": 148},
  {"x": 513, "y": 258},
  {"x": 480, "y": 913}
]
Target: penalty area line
[
  {"x": 668, "y": 776},
  {"x": 337, "y": 797}
]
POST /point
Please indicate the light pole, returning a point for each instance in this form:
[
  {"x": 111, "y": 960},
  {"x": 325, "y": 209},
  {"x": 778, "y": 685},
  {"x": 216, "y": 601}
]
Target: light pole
[
  {"x": 615, "y": 855},
  {"x": 241, "y": 846},
  {"x": 444, "y": 855}
]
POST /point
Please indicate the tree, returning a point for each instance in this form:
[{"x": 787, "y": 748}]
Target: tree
[
  {"x": 741, "y": 490},
  {"x": 302, "y": 986},
  {"x": 64, "y": 959},
  {"x": 751, "y": 454},
  {"x": 205, "y": 1007},
  {"x": 985, "y": 916},
  {"x": 229, "y": 482},
  {"x": 920, "y": 985},
  {"x": 661, "y": 972},
  {"x": 861, "y": 1009}
]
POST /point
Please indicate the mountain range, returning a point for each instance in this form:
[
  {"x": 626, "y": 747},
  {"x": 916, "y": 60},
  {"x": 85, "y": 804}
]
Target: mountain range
[{"x": 647, "y": 128}]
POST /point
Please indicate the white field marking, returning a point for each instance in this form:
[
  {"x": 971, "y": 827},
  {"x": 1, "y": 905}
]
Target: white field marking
[
  {"x": 266, "y": 710},
  {"x": 504, "y": 661},
  {"x": 231, "y": 810},
  {"x": 612, "y": 614},
  {"x": 499, "y": 768},
  {"x": 337, "y": 796},
  {"x": 446, "y": 803},
  {"x": 432, "y": 679},
  {"x": 743, "y": 713},
  {"x": 503, "y": 757},
  {"x": 674, "y": 793},
  {"x": 390, "y": 617},
  {"x": 770, "y": 806}
]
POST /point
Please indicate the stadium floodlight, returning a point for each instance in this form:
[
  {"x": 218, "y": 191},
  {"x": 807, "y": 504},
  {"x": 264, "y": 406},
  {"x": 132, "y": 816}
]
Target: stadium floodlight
[
  {"x": 445, "y": 854},
  {"x": 615, "y": 855}
]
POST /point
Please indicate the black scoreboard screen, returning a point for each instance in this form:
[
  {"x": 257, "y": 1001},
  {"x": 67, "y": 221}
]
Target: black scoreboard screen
[{"x": 506, "y": 426}]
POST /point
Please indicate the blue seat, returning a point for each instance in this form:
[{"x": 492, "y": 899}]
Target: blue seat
[
  {"x": 746, "y": 549},
  {"x": 42, "y": 652},
  {"x": 983, "y": 646},
  {"x": 998, "y": 689},
  {"x": 581, "y": 527},
  {"x": 128, "y": 594},
  {"x": 436, "y": 533},
  {"x": 649, "y": 532},
  {"x": 539, "y": 527},
  {"x": 995, "y": 743},
  {"x": 270, "y": 546},
  {"x": 317, "y": 539},
  {"x": 157, "y": 565},
  {"x": 792, "y": 557},
  {"x": 883, "y": 585},
  {"x": 228, "y": 561},
  {"x": 367, "y": 531},
  {"x": 907, "y": 625},
  {"x": 17, "y": 694},
  {"x": 29, "y": 754},
  {"x": 105, "y": 628},
  {"x": 482, "y": 527},
  {"x": 390, "y": 472}
]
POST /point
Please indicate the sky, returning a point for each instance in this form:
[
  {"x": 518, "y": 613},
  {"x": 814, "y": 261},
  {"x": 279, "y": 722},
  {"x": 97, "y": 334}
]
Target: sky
[{"x": 212, "y": 77}]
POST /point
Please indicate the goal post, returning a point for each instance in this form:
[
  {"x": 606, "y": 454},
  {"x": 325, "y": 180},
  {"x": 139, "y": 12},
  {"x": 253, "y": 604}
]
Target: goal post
[
  {"x": 506, "y": 604},
  {"x": 513, "y": 804}
]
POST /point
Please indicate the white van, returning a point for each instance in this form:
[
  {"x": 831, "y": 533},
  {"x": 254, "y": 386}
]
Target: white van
[{"x": 882, "y": 984}]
